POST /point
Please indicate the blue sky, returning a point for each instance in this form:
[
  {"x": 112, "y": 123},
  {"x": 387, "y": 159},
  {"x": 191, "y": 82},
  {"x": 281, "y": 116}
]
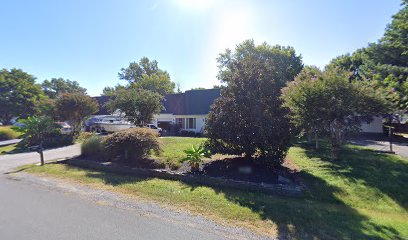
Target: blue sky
[{"x": 89, "y": 41}]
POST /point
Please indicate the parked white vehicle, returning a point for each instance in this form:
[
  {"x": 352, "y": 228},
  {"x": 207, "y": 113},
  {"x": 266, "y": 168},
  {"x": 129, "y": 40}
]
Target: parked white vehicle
[
  {"x": 157, "y": 129},
  {"x": 65, "y": 128},
  {"x": 113, "y": 124},
  {"x": 112, "y": 127}
]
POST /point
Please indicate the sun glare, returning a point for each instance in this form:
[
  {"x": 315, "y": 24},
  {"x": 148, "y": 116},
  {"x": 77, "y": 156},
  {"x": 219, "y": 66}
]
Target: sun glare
[{"x": 195, "y": 4}]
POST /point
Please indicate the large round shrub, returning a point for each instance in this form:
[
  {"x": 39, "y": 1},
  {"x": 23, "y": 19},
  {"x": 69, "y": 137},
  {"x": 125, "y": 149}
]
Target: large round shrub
[
  {"x": 131, "y": 144},
  {"x": 93, "y": 148},
  {"x": 249, "y": 118}
]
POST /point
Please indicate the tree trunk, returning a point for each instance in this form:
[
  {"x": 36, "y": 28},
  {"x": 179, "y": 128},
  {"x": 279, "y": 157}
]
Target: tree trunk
[
  {"x": 316, "y": 140},
  {"x": 309, "y": 136},
  {"x": 336, "y": 132},
  {"x": 126, "y": 155},
  {"x": 41, "y": 152}
]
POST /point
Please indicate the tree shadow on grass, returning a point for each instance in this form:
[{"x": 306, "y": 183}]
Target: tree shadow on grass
[
  {"x": 305, "y": 218},
  {"x": 386, "y": 173},
  {"x": 296, "y": 218}
]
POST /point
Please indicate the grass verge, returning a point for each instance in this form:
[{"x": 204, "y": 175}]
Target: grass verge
[
  {"x": 359, "y": 196},
  {"x": 7, "y": 148}
]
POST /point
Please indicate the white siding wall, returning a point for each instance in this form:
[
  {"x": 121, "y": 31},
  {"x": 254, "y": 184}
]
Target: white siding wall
[
  {"x": 164, "y": 118},
  {"x": 200, "y": 122},
  {"x": 376, "y": 126}
]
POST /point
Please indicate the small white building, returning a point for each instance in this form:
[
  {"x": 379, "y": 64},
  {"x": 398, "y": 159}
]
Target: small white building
[{"x": 188, "y": 110}]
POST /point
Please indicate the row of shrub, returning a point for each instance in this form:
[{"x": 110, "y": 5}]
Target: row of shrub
[
  {"x": 6, "y": 133},
  {"x": 127, "y": 145},
  {"x": 51, "y": 140},
  {"x": 185, "y": 133}
]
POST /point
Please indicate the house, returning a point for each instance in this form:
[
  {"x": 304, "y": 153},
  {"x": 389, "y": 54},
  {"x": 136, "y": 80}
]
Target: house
[
  {"x": 188, "y": 110},
  {"x": 102, "y": 100}
]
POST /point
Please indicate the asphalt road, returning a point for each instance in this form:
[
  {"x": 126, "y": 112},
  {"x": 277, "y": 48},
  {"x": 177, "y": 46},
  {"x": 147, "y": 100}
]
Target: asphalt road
[
  {"x": 30, "y": 209},
  {"x": 32, "y": 212}
]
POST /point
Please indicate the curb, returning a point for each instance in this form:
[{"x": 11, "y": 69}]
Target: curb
[{"x": 274, "y": 189}]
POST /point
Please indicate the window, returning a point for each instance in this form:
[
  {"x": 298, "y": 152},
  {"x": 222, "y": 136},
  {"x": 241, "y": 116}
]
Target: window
[
  {"x": 191, "y": 123},
  {"x": 180, "y": 122}
]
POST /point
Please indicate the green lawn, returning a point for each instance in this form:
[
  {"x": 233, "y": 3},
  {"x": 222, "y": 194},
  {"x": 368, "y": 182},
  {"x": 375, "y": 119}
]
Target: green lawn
[
  {"x": 173, "y": 148},
  {"x": 360, "y": 196},
  {"x": 7, "y": 148}
]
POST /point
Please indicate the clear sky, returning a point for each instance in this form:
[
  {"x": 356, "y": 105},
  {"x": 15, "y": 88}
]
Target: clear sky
[{"x": 90, "y": 40}]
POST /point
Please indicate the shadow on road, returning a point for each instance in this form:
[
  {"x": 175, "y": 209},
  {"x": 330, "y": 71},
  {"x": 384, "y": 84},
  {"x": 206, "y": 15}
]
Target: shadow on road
[{"x": 320, "y": 213}]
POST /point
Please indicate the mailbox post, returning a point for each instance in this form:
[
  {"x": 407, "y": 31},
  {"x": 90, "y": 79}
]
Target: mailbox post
[{"x": 390, "y": 133}]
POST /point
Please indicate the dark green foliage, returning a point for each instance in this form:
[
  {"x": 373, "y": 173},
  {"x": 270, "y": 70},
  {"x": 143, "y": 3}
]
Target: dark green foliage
[
  {"x": 43, "y": 130},
  {"x": 83, "y": 136},
  {"x": 185, "y": 133},
  {"x": 329, "y": 103},
  {"x": 110, "y": 91},
  {"x": 57, "y": 86},
  {"x": 195, "y": 156},
  {"x": 51, "y": 140},
  {"x": 46, "y": 107},
  {"x": 147, "y": 75},
  {"x": 386, "y": 62},
  {"x": 75, "y": 108},
  {"x": 248, "y": 117},
  {"x": 93, "y": 148},
  {"x": 19, "y": 94},
  {"x": 139, "y": 106},
  {"x": 132, "y": 144}
]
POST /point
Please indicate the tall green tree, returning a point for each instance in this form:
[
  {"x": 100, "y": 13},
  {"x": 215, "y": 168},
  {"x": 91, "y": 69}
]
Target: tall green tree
[
  {"x": 36, "y": 130},
  {"x": 57, "y": 86},
  {"x": 329, "y": 103},
  {"x": 19, "y": 94},
  {"x": 110, "y": 91},
  {"x": 249, "y": 118},
  {"x": 75, "y": 108},
  {"x": 138, "y": 106},
  {"x": 305, "y": 103},
  {"x": 147, "y": 75},
  {"x": 385, "y": 62}
]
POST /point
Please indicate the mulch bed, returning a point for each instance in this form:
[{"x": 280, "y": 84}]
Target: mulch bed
[{"x": 230, "y": 168}]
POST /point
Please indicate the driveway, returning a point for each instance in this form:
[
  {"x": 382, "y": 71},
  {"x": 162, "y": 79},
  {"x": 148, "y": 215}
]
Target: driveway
[
  {"x": 398, "y": 147},
  {"x": 9, "y": 142},
  {"x": 12, "y": 161}
]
